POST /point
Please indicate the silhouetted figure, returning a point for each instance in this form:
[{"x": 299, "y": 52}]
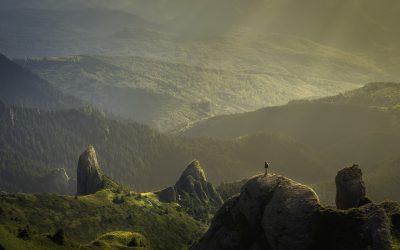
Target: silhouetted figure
[{"x": 266, "y": 166}]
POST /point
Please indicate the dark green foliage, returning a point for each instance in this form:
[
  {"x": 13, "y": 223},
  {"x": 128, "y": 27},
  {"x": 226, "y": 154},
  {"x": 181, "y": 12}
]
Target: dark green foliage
[
  {"x": 58, "y": 237},
  {"x": 199, "y": 210},
  {"x": 18, "y": 173},
  {"x": 18, "y": 86},
  {"x": 133, "y": 243},
  {"x": 24, "y": 234},
  {"x": 132, "y": 154},
  {"x": 118, "y": 199},
  {"x": 395, "y": 219}
]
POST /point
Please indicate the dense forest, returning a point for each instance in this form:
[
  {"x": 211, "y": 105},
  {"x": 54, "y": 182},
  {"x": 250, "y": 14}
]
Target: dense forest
[{"x": 134, "y": 154}]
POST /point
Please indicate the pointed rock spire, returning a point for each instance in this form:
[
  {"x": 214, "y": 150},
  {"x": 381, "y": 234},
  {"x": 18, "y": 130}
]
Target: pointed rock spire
[
  {"x": 350, "y": 188},
  {"x": 193, "y": 183},
  {"x": 194, "y": 170},
  {"x": 90, "y": 178}
]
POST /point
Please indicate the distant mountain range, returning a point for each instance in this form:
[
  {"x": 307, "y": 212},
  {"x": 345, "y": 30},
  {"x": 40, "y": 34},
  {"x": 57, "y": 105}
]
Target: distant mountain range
[
  {"x": 184, "y": 66},
  {"x": 170, "y": 96},
  {"x": 365, "y": 27}
]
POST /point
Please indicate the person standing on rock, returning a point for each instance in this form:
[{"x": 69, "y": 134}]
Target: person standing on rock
[{"x": 266, "y": 166}]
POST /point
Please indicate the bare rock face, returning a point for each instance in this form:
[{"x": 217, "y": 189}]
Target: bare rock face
[
  {"x": 276, "y": 213},
  {"x": 90, "y": 178},
  {"x": 192, "y": 183},
  {"x": 167, "y": 195},
  {"x": 193, "y": 193},
  {"x": 290, "y": 217},
  {"x": 378, "y": 226},
  {"x": 350, "y": 188},
  {"x": 269, "y": 213}
]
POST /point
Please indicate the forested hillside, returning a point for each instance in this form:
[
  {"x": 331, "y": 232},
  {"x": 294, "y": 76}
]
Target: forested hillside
[
  {"x": 133, "y": 58},
  {"x": 133, "y": 154},
  {"x": 19, "y": 86},
  {"x": 176, "y": 94},
  {"x": 360, "y": 126}
]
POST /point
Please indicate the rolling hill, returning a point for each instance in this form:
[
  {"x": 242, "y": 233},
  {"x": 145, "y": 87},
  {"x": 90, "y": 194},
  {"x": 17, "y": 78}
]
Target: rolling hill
[
  {"x": 130, "y": 58},
  {"x": 170, "y": 96},
  {"x": 361, "y": 26}
]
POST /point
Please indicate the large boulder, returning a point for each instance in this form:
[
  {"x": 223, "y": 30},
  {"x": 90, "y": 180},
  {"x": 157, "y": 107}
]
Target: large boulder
[
  {"x": 290, "y": 217},
  {"x": 350, "y": 188},
  {"x": 378, "y": 226},
  {"x": 90, "y": 178},
  {"x": 271, "y": 212},
  {"x": 276, "y": 213}
]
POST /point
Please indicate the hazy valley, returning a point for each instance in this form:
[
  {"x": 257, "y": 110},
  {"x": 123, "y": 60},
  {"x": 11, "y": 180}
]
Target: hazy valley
[{"x": 171, "y": 124}]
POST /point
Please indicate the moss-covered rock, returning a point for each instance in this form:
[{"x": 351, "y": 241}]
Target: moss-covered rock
[{"x": 193, "y": 192}]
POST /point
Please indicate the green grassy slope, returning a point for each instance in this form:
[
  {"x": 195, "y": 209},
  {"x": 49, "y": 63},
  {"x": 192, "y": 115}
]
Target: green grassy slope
[
  {"x": 9, "y": 240},
  {"x": 85, "y": 218},
  {"x": 119, "y": 240}
]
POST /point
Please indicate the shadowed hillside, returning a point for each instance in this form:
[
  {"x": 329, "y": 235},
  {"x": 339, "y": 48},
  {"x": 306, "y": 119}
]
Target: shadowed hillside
[
  {"x": 359, "y": 126},
  {"x": 133, "y": 154},
  {"x": 19, "y": 86}
]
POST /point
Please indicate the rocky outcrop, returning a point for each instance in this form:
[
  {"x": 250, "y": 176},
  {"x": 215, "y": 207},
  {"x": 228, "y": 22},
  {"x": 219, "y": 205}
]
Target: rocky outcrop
[
  {"x": 90, "y": 178},
  {"x": 378, "y": 226},
  {"x": 270, "y": 213},
  {"x": 276, "y": 213},
  {"x": 193, "y": 193},
  {"x": 350, "y": 188},
  {"x": 193, "y": 184},
  {"x": 167, "y": 195}
]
